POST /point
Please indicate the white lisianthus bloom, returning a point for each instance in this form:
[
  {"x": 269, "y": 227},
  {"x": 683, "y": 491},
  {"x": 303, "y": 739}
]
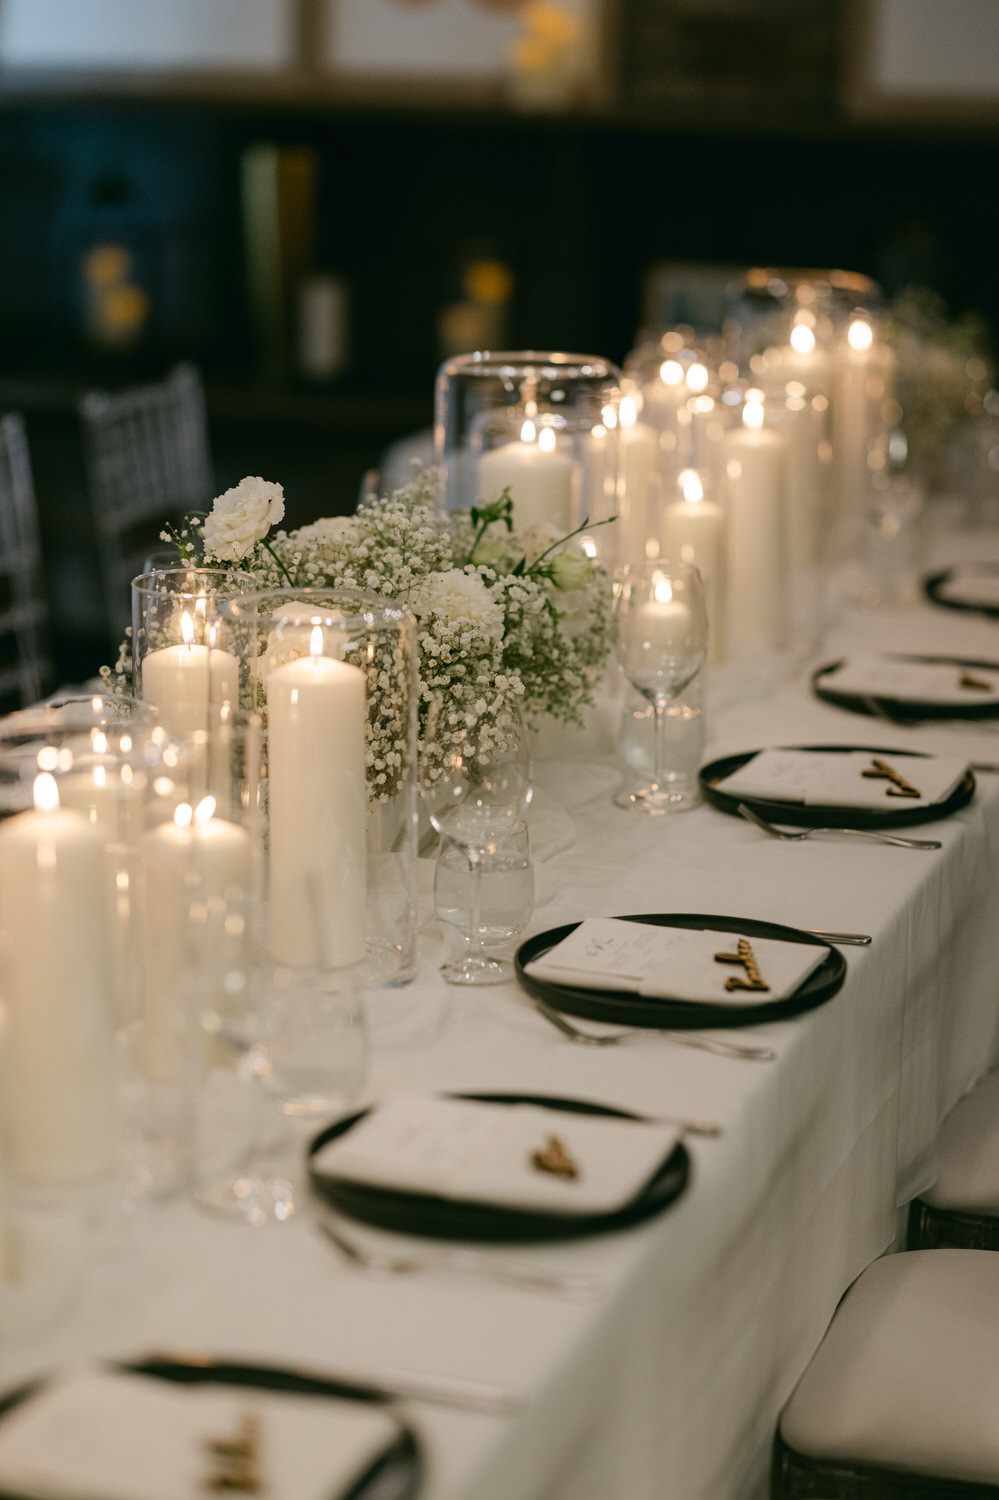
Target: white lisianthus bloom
[
  {"x": 456, "y": 595},
  {"x": 242, "y": 517},
  {"x": 537, "y": 540},
  {"x": 570, "y": 571}
]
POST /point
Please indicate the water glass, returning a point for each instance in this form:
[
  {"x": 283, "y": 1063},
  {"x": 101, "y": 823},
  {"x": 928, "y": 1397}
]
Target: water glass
[
  {"x": 662, "y": 636},
  {"x": 686, "y": 735},
  {"x": 506, "y": 898}
]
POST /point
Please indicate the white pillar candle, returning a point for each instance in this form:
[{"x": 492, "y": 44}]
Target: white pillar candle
[
  {"x": 176, "y": 680},
  {"x": 195, "y": 858},
  {"x": 693, "y": 531},
  {"x": 318, "y": 805},
  {"x": 59, "y": 994},
  {"x": 6, "y": 1255},
  {"x": 862, "y": 380},
  {"x": 802, "y": 360},
  {"x": 656, "y": 633},
  {"x": 663, "y": 400},
  {"x": 755, "y": 465},
  {"x": 541, "y": 479},
  {"x": 111, "y": 796},
  {"x": 639, "y": 483}
]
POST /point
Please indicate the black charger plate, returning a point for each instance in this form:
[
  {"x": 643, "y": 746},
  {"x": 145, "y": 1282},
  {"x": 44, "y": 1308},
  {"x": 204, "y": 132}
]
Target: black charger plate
[
  {"x": 712, "y": 777},
  {"x": 676, "y": 1015},
  {"x": 933, "y": 585},
  {"x": 394, "y": 1474},
  {"x": 449, "y": 1219},
  {"x": 878, "y": 706}
]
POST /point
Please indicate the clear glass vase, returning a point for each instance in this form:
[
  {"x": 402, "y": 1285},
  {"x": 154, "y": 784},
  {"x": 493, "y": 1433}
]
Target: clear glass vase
[
  {"x": 332, "y": 673},
  {"x": 542, "y": 425}
]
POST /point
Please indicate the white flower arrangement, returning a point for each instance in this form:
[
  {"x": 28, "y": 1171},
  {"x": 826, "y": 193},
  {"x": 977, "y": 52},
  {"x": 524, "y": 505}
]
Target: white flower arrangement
[{"x": 501, "y": 619}]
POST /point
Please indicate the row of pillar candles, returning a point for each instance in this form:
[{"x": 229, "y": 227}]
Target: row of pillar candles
[{"x": 741, "y": 477}]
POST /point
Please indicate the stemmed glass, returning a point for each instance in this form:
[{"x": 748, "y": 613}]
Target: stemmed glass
[
  {"x": 662, "y": 637},
  {"x": 474, "y": 799}
]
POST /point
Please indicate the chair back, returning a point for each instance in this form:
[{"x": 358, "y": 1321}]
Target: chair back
[
  {"x": 25, "y": 664},
  {"x": 148, "y": 463}
]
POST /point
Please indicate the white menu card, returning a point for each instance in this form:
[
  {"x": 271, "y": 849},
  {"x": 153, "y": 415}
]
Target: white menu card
[
  {"x": 938, "y": 683},
  {"x": 484, "y": 1153},
  {"x": 821, "y": 778},
  {"x": 674, "y": 963}
]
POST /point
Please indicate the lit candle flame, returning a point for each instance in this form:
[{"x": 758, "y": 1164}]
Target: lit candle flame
[
  {"x": 752, "y": 414},
  {"x": 663, "y": 591},
  {"x": 610, "y": 417},
  {"x": 629, "y": 411},
  {"x": 802, "y": 339},
  {"x": 187, "y": 628},
  {"x": 671, "y": 372},
  {"x": 182, "y": 814},
  {"x": 697, "y": 377},
  {"x": 100, "y": 776},
  {"x": 690, "y": 484},
  {"x": 528, "y": 432},
  {"x": 547, "y": 440},
  {"x": 45, "y": 793},
  {"x": 317, "y": 642},
  {"x": 99, "y": 740},
  {"x": 860, "y": 334},
  {"x": 205, "y": 810}
]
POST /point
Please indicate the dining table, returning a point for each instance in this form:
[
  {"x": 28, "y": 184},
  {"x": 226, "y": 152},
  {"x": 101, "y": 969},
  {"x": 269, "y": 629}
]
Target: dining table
[{"x": 668, "y": 1385}]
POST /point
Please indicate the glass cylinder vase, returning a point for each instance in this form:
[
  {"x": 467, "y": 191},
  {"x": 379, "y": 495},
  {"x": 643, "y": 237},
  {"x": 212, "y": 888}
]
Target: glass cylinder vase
[
  {"x": 539, "y": 426},
  {"x": 332, "y": 673}
]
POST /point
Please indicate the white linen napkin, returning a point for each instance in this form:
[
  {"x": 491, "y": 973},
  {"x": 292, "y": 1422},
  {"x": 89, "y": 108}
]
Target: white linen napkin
[
  {"x": 673, "y": 963},
  {"x": 905, "y": 681},
  {"x": 103, "y": 1435},
  {"x": 483, "y": 1153},
  {"x": 820, "y": 778},
  {"x": 967, "y": 586}
]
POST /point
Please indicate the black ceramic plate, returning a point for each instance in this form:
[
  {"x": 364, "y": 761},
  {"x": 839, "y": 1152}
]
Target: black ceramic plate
[
  {"x": 449, "y": 1219},
  {"x": 395, "y": 1474},
  {"x": 903, "y": 709},
  {"x": 677, "y": 1015},
  {"x": 712, "y": 779},
  {"x": 935, "y": 582}
]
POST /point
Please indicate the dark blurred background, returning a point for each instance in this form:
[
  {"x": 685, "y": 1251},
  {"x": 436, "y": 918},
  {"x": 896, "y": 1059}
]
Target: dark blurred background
[{"x": 719, "y": 131}]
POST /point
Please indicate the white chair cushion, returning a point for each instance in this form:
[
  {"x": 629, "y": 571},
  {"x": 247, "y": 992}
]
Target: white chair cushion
[
  {"x": 907, "y": 1375},
  {"x": 968, "y": 1153}
]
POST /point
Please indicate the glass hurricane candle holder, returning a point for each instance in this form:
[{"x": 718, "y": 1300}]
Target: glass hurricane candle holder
[
  {"x": 172, "y": 610},
  {"x": 542, "y": 426},
  {"x": 332, "y": 673}
]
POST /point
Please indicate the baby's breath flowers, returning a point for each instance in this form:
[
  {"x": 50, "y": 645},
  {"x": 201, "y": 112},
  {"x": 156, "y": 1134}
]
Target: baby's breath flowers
[{"x": 501, "y": 619}]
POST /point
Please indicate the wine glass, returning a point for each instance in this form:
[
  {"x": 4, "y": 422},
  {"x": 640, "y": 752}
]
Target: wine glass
[
  {"x": 475, "y": 796},
  {"x": 662, "y": 637}
]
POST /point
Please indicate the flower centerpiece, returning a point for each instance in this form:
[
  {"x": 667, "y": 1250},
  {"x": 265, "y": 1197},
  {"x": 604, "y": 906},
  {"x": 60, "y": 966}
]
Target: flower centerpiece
[{"x": 502, "y": 619}]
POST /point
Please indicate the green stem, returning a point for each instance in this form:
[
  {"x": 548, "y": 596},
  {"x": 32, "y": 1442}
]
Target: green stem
[
  {"x": 584, "y": 525},
  {"x": 268, "y": 548}
]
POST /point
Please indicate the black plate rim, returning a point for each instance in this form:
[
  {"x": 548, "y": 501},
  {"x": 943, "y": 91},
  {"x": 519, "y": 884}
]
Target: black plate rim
[
  {"x": 934, "y": 581},
  {"x": 396, "y": 1473},
  {"x": 800, "y": 816},
  {"x": 869, "y": 704},
  {"x": 678, "y": 1015},
  {"x": 426, "y": 1215}
]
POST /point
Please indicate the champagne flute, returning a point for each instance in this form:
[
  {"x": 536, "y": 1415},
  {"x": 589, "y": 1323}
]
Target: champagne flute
[
  {"x": 475, "y": 797},
  {"x": 662, "y": 637}
]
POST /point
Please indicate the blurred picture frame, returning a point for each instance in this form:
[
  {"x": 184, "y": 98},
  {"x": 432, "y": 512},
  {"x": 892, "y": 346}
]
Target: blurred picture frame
[
  {"x": 922, "y": 60},
  {"x": 539, "y": 54}
]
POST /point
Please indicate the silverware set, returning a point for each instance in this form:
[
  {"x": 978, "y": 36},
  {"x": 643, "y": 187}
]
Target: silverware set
[
  {"x": 640, "y": 1034},
  {"x": 577, "y": 1286}
]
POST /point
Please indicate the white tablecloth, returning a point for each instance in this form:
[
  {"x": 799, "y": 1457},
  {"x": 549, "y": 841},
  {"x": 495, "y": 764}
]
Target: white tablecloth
[{"x": 670, "y": 1385}]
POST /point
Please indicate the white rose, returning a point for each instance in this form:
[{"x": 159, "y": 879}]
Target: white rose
[{"x": 242, "y": 517}]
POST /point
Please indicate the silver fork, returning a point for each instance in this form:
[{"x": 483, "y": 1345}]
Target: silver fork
[
  {"x": 578, "y": 1286},
  {"x": 797, "y": 834},
  {"x": 637, "y": 1033}
]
